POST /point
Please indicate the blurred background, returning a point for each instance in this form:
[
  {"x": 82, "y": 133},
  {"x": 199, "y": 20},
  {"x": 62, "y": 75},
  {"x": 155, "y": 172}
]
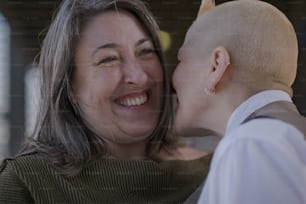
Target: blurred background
[{"x": 23, "y": 24}]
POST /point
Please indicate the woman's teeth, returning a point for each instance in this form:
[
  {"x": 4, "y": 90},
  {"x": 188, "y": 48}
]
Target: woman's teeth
[{"x": 134, "y": 101}]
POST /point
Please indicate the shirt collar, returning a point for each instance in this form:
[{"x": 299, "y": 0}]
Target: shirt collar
[{"x": 252, "y": 104}]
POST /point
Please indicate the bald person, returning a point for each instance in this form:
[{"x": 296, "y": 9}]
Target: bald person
[{"x": 237, "y": 65}]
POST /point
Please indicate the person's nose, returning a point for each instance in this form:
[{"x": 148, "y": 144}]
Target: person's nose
[{"x": 134, "y": 72}]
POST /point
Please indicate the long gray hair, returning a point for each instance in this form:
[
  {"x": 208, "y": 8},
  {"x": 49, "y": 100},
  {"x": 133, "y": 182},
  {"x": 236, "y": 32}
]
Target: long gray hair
[{"x": 60, "y": 132}]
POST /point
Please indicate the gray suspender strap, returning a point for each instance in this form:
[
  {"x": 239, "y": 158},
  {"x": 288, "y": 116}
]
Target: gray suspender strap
[{"x": 281, "y": 110}]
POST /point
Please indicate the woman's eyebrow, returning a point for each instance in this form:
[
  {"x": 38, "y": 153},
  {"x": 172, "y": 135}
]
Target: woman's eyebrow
[
  {"x": 114, "y": 45},
  {"x": 104, "y": 46},
  {"x": 139, "y": 42}
]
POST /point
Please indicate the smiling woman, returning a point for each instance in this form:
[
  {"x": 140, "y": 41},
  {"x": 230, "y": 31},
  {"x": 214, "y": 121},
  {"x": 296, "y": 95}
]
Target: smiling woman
[
  {"x": 103, "y": 128},
  {"x": 118, "y": 82}
]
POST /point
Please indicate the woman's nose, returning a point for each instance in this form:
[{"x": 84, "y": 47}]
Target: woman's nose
[{"x": 134, "y": 73}]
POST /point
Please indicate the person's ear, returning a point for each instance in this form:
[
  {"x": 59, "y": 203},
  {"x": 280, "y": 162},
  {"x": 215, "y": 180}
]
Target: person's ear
[
  {"x": 219, "y": 64},
  {"x": 205, "y": 6}
]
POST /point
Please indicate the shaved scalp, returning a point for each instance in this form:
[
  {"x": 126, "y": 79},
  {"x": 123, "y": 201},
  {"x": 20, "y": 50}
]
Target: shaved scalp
[{"x": 260, "y": 39}]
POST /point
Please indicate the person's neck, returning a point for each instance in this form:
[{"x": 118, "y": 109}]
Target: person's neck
[
  {"x": 223, "y": 105},
  {"x": 128, "y": 150}
]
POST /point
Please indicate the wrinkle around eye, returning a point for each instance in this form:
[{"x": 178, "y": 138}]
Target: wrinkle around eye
[
  {"x": 147, "y": 52},
  {"x": 108, "y": 61}
]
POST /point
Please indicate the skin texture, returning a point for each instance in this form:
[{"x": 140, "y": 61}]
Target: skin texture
[
  {"x": 227, "y": 57},
  {"x": 116, "y": 65}
]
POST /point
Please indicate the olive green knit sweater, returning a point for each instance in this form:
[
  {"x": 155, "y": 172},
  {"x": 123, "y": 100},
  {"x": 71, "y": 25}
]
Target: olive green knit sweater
[{"x": 30, "y": 179}]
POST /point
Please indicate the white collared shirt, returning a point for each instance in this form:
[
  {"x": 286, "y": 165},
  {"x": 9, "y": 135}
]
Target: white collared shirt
[{"x": 260, "y": 162}]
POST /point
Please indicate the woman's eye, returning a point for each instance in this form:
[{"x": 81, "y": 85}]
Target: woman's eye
[
  {"x": 108, "y": 60},
  {"x": 147, "y": 52}
]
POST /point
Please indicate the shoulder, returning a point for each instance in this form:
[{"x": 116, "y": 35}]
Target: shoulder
[
  {"x": 12, "y": 187},
  {"x": 7, "y": 172},
  {"x": 24, "y": 165},
  {"x": 20, "y": 161},
  {"x": 253, "y": 155},
  {"x": 267, "y": 137},
  {"x": 268, "y": 131}
]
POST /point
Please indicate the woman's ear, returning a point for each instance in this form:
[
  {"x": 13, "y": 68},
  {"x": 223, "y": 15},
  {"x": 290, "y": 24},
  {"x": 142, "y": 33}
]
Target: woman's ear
[{"x": 220, "y": 62}]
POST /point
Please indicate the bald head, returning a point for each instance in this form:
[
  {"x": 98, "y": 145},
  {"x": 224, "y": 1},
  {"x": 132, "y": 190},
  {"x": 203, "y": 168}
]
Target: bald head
[{"x": 260, "y": 40}]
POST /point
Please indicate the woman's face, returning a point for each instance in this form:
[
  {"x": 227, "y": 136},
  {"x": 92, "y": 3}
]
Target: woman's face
[{"x": 118, "y": 79}]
